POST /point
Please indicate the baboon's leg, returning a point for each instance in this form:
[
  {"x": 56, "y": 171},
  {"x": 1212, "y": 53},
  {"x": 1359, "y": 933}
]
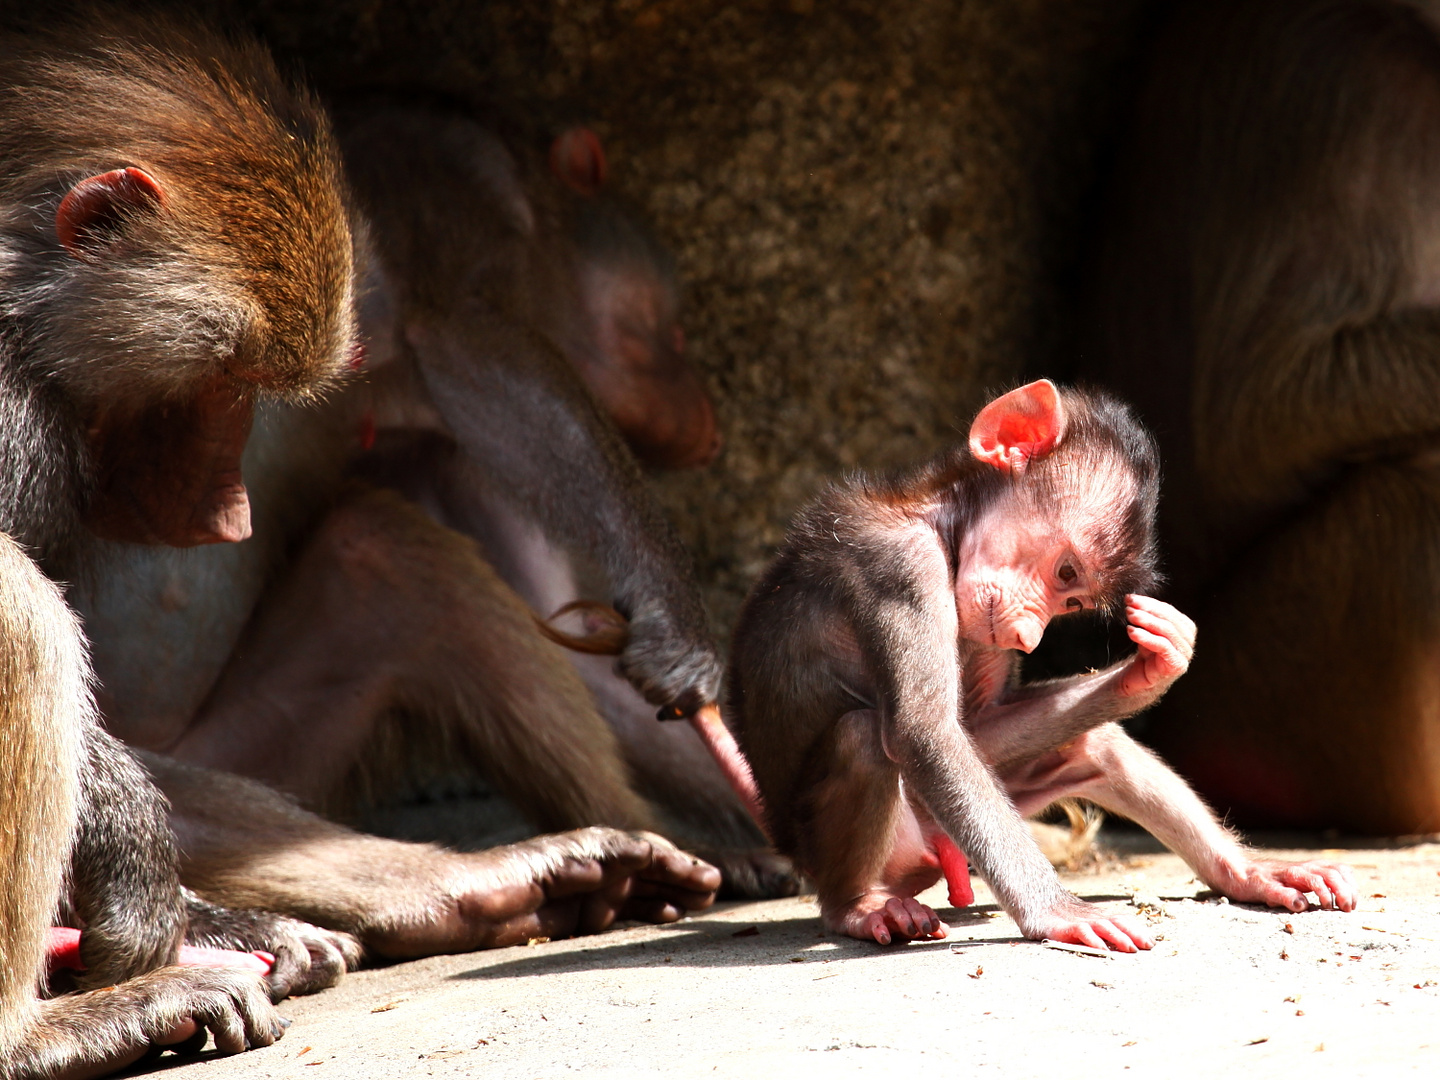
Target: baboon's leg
[{"x": 392, "y": 645}]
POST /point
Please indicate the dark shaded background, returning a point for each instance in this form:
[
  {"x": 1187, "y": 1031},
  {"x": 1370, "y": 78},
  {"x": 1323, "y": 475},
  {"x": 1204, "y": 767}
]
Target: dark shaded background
[{"x": 880, "y": 209}]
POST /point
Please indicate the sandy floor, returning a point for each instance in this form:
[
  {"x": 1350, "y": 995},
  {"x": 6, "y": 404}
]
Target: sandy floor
[{"x": 756, "y": 990}]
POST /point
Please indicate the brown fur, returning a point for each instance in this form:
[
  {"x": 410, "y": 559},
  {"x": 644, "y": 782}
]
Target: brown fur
[
  {"x": 276, "y": 309},
  {"x": 1270, "y": 298},
  {"x": 42, "y": 677}
]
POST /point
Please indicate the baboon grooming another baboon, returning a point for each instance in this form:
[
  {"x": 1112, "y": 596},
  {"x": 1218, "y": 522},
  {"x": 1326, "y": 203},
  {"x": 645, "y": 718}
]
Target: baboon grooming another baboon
[{"x": 176, "y": 247}]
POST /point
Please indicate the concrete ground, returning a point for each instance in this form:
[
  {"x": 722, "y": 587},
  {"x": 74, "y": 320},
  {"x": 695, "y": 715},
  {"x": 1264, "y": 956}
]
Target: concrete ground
[{"x": 755, "y": 990}]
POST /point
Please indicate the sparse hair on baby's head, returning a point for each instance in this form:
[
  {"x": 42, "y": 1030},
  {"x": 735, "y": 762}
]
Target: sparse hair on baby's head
[{"x": 1105, "y": 470}]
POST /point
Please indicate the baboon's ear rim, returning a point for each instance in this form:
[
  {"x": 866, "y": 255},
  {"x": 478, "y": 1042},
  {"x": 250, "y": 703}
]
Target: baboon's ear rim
[
  {"x": 1019, "y": 427},
  {"x": 85, "y": 216},
  {"x": 577, "y": 159}
]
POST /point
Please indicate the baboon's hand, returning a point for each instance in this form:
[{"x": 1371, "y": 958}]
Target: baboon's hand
[
  {"x": 1289, "y": 885},
  {"x": 87, "y": 1034},
  {"x": 1166, "y": 640},
  {"x": 1080, "y": 922},
  {"x": 578, "y": 882},
  {"x": 307, "y": 958},
  {"x": 671, "y": 659}
]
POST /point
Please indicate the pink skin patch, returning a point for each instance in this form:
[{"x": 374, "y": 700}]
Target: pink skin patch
[
  {"x": 63, "y": 951},
  {"x": 956, "y": 869},
  {"x": 93, "y": 202},
  {"x": 723, "y": 749}
]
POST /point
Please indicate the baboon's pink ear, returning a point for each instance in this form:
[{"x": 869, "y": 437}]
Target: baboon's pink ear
[
  {"x": 1018, "y": 427},
  {"x": 578, "y": 160},
  {"x": 95, "y": 208}
]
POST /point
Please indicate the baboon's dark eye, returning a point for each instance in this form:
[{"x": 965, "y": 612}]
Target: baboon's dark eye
[{"x": 1067, "y": 574}]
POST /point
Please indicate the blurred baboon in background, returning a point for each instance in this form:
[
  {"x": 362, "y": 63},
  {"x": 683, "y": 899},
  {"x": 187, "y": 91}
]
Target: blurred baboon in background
[
  {"x": 1269, "y": 297},
  {"x": 522, "y": 329}
]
